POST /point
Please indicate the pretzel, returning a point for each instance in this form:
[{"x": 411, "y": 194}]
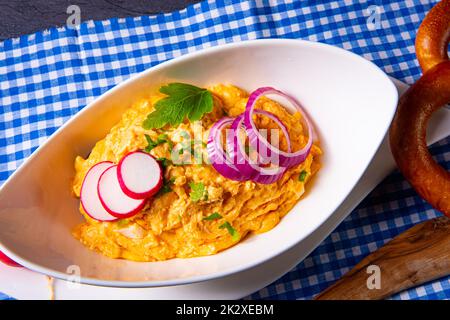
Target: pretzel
[
  {"x": 428, "y": 94},
  {"x": 408, "y": 131},
  {"x": 433, "y": 36}
]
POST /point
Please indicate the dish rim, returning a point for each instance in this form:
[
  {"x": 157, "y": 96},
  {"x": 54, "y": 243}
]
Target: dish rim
[{"x": 214, "y": 275}]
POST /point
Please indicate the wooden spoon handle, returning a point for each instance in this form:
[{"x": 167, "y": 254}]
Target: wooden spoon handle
[{"x": 416, "y": 256}]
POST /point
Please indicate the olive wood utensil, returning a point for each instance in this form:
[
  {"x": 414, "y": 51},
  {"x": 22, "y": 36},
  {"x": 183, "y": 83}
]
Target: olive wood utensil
[{"x": 418, "y": 255}]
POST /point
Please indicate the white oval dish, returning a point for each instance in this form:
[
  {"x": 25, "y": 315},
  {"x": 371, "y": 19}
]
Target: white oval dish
[{"x": 349, "y": 99}]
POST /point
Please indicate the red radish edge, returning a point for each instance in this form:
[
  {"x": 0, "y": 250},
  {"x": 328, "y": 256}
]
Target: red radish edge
[
  {"x": 6, "y": 260},
  {"x": 108, "y": 217},
  {"x": 103, "y": 194},
  {"x": 126, "y": 189}
]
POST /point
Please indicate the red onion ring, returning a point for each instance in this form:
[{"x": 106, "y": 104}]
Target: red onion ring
[
  {"x": 286, "y": 159},
  {"x": 240, "y": 167},
  {"x": 217, "y": 156},
  {"x": 263, "y": 175}
]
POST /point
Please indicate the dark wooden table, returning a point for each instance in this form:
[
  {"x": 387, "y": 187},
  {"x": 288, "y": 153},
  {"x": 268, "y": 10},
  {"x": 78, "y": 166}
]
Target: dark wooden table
[{"x": 18, "y": 17}]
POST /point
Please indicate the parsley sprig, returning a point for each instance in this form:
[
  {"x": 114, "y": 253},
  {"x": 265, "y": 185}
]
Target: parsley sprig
[
  {"x": 198, "y": 191},
  {"x": 182, "y": 101}
]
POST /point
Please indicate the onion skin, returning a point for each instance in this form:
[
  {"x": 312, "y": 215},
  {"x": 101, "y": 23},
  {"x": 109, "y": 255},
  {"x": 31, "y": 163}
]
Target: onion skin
[
  {"x": 408, "y": 132},
  {"x": 433, "y": 36}
]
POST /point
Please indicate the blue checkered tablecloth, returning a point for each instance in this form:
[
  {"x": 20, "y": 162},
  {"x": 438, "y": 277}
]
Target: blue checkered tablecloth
[{"x": 47, "y": 77}]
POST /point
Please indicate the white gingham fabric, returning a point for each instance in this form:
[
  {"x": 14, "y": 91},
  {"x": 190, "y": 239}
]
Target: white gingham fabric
[{"x": 47, "y": 77}]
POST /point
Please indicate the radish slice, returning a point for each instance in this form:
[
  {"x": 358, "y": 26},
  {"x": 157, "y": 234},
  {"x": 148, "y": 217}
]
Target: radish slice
[
  {"x": 140, "y": 175},
  {"x": 113, "y": 199},
  {"x": 89, "y": 195},
  {"x": 6, "y": 260}
]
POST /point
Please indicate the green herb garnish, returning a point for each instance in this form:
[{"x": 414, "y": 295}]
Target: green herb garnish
[
  {"x": 150, "y": 143},
  {"x": 234, "y": 234},
  {"x": 198, "y": 191},
  {"x": 302, "y": 176},
  {"x": 213, "y": 216},
  {"x": 164, "y": 162},
  {"x": 166, "y": 187},
  {"x": 183, "y": 100},
  {"x": 162, "y": 138}
]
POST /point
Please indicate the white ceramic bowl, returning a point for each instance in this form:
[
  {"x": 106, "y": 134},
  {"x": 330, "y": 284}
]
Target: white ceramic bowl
[{"x": 350, "y": 100}]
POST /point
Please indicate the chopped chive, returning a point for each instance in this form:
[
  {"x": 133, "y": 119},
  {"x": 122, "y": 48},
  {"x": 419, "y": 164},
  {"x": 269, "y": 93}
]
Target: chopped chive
[
  {"x": 213, "y": 216},
  {"x": 302, "y": 176},
  {"x": 234, "y": 234}
]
